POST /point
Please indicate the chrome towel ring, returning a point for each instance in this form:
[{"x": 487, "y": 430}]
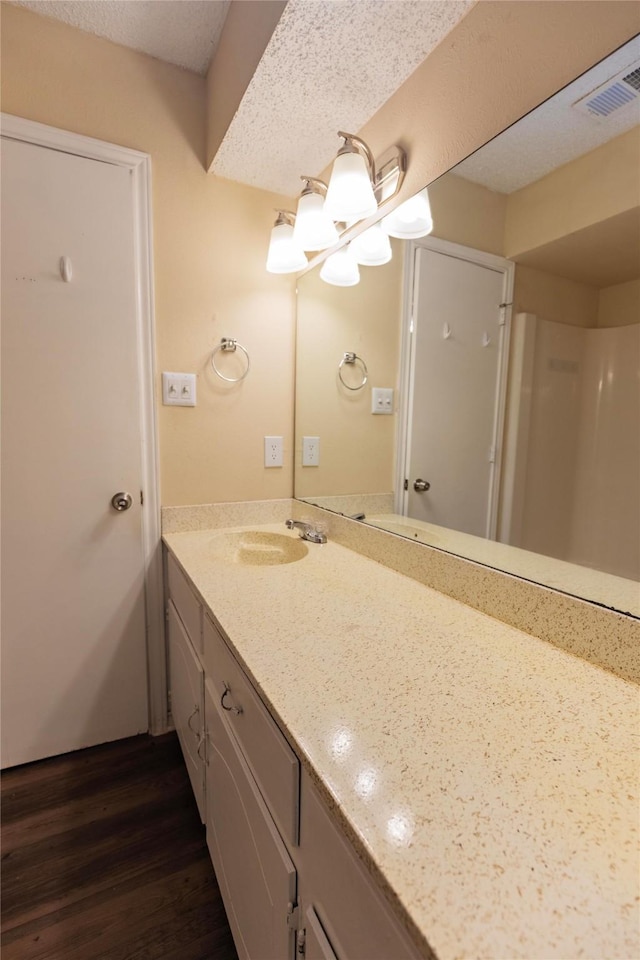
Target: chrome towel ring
[
  {"x": 229, "y": 345},
  {"x": 352, "y": 358}
]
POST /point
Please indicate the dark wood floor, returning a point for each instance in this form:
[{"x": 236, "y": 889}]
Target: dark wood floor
[{"x": 104, "y": 858}]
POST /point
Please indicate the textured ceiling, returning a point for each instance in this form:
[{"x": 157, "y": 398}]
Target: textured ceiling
[
  {"x": 183, "y": 32},
  {"x": 553, "y": 134},
  {"x": 329, "y": 66}
]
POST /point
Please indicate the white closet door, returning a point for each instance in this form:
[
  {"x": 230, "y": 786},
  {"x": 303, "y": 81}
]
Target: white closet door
[
  {"x": 74, "y": 670},
  {"x": 455, "y": 387}
]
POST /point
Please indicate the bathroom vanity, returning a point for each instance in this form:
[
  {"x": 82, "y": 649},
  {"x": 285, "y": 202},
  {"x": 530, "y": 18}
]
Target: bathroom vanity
[{"x": 385, "y": 772}]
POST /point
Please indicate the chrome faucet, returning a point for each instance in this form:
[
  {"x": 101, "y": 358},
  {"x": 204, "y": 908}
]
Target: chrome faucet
[{"x": 307, "y": 532}]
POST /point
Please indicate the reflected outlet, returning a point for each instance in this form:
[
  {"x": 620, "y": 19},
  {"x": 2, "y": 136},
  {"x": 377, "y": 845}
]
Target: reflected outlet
[{"x": 311, "y": 451}]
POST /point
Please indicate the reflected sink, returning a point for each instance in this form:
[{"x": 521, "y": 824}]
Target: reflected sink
[{"x": 258, "y": 548}]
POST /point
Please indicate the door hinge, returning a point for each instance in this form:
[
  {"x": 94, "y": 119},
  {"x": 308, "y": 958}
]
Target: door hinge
[
  {"x": 492, "y": 454},
  {"x": 141, "y": 498},
  {"x": 406, "y": 483},
  {"x": 301, "y": 942},
  {"x": 292, "y": 915},
  {"x": 503, "y": 313},
  {"x": 166, "y": 614}
]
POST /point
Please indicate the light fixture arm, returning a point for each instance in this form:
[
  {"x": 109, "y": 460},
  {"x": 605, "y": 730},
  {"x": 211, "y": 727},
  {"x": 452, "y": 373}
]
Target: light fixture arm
[
  {"x": 351, "y": 142},
  {"x": 285, "y": 216},
  {"x": 313, "y": 185}
]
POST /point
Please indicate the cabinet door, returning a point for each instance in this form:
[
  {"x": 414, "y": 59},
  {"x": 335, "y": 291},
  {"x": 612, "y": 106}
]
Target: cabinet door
[
  {"x": 356, "y": 920},
  {"x": 187, "y": 702},
  {"x": 256, "y": 876},
  {"x": 186, "y": 603},
  {"x": 273, "y": 763},
  {"x": 316, "y": 942}
]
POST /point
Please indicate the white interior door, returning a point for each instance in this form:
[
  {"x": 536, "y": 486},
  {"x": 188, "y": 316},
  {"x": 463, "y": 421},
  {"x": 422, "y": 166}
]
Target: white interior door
[
  {"x": 455, "y": 386},
  {"x": 74, "y": 669}
]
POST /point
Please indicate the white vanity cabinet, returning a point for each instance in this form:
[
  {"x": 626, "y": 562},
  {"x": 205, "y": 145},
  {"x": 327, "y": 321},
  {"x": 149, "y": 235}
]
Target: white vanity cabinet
[
  {"x": 187, "y": 701},
  {"x": 345, "y": 916},
  {"x": 292, "y": 884},
  {"x": 185, "y": 601},
  {"x": 256, "y": 875},
  {"x": 315, "y": 941},
  {"x": 273, "y": 764}
]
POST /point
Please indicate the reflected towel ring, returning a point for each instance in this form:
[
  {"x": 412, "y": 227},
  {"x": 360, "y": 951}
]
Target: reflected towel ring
[
  {"x": 352, "y": 358},
  {"x": 229, "y": 345}
]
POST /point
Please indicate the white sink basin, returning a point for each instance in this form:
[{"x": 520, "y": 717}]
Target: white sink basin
[{"x": 258, "y": 548}]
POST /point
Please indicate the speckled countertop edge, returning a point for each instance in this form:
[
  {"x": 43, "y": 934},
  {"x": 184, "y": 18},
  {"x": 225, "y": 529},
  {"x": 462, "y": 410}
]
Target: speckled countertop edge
[{"x": 333, "y": 792}]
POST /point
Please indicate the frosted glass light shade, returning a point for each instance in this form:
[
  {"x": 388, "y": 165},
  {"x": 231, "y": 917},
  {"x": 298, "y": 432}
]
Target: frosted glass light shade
[
  {"x": 350, "y": 195},
  {"x": 313, "y": 229},
  {"x": 284, "y": 256},
  {"x": 371, "y": 248},
  {"x": 412, "y": 219},
  {"x": 340, "y": 269}
]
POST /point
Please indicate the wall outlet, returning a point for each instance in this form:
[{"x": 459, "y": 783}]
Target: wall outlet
[
  {"x": 382, "y": 400},
  {"x": 273, "y": 451},
  {"x": 179, "y": 389},
  {"x": 311, "y": 451}
]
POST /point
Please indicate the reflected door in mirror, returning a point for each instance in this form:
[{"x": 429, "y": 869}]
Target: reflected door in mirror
[{"x": 455, "y": 422}]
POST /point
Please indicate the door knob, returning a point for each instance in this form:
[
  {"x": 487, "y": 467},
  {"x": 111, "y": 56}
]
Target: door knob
[
  {"x": 420, "y": 486},
  {"x": 121, "y": 501}
]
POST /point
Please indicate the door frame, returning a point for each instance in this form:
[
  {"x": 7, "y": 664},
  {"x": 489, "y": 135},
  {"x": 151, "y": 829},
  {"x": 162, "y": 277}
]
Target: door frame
[
  {"x": 407, "y": 341},
  {"x": 139, "y": 165}
]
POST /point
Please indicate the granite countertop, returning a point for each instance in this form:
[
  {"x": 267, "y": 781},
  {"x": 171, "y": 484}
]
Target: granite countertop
[{"x": 489, "y": 779}]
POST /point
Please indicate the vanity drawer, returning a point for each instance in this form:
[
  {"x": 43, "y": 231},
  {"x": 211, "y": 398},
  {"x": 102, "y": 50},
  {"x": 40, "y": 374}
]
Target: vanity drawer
[
  {"x": 350, "y": 911},
  {"x": 272, "y": 761},
  {"x": 185, "y": 602}
]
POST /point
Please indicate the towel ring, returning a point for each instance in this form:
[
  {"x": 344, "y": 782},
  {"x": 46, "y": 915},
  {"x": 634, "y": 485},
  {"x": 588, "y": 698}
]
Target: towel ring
[
  {"x": 352, "y": 358},
  {"x": 229, "y": 345}
]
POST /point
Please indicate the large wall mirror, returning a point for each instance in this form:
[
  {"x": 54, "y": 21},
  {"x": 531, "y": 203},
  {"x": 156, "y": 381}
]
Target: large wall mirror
[{"x": 510, "y": 339}]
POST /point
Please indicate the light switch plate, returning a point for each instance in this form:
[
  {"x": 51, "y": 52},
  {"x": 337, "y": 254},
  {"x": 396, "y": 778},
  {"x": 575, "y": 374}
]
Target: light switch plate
[
  {"x": 382, "y": 400},
  {"x": 179, "y": 389}
]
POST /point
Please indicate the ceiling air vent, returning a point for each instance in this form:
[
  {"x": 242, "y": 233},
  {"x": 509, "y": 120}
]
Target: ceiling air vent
[{"x": 621, "y": 92}]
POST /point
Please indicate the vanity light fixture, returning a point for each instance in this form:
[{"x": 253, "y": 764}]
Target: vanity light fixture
[
  {"x": 371, "y": 248},
  {"x": 350, "y": 193},
  {"x": 285, "y": 255},
  {"x": 340, "y": 269},
  {"x": 358, "y": 186},
  {"x": 314, "y": 229},
  {"x": 412, "y": 219}
]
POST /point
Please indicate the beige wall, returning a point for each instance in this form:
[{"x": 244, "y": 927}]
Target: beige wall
[
  {"x": 464, "y": 212},
  {"x": 210, "y": 239},
  {"x": 597, "y": 186},
  {"x": 554, "y": 298},
  {"x": 356, "y": 446},
  {"x": 619, "y": 305}
]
